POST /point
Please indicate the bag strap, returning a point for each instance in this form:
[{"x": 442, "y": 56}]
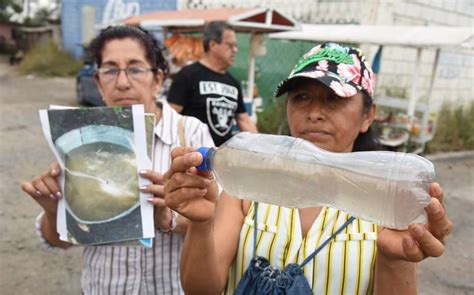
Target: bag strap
[
  {"x": 181, "y": 131},
  {"x": 315, "y": 252},
  {"x": 339, "y": 230},
  {"x": 255, "y": 224}
]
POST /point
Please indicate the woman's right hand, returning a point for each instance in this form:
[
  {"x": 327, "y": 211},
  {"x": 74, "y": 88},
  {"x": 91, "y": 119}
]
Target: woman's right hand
[
  {"x": 190, "y": 192},
  {"x": 44, "y": 189}
]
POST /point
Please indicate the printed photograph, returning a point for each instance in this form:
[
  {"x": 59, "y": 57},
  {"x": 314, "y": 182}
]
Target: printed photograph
[{"x": 97, "y": 149}]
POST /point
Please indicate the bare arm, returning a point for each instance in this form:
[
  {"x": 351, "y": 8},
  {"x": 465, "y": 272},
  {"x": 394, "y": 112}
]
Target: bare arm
[
  {"x": 176, "y": 107},
  {"x": 394, "y": 277},
  {"x": 49, "y": 231},
  {"x": 245, "y": 123},
  {"x": 210, "y": 248},
  {"x": 213, "y": 227}
]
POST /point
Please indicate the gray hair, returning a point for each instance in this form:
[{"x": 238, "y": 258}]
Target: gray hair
[{"x": 213, "y": 31}]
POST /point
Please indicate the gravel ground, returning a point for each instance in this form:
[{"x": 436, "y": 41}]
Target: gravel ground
[{"x": 27, "y": 268}]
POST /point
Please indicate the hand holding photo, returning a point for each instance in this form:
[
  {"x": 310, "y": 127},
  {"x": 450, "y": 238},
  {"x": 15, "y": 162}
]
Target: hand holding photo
[{"x": 100, "y": 151}]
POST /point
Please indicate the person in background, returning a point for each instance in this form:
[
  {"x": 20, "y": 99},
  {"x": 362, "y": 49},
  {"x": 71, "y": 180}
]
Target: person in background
[
  {"x": 330, "y": 104},
  {"x": 206, "y": 90},
  {"x": 131, "y": 69}
]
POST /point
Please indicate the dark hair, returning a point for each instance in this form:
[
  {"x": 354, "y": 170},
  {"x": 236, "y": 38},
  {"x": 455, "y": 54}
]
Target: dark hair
[
  {"x": 367, "y": 141},
  {"x": 153, "y": 52},
  {"x": 213, "y": 32}
]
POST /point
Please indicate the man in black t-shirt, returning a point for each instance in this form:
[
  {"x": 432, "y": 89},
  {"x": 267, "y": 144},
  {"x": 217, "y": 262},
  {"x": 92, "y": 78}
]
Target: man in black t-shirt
[{"x": 206, "y": 90}]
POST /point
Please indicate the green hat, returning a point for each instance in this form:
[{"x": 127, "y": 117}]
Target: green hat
[{"x": 343, "y": 69}]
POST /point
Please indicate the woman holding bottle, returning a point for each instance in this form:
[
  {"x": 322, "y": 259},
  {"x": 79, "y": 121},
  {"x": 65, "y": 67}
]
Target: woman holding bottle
[{"x": 329, "y": 103}]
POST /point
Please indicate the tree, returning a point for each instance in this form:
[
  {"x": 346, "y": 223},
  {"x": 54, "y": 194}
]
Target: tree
[{"x": 8, "y": 8}]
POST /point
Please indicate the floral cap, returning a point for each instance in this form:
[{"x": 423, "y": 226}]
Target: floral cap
[{"x": 343, "y": 69}]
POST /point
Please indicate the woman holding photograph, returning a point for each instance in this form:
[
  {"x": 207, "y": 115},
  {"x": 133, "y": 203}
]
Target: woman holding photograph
[
  {"x": 329, "y": 103},
  {"x": 131, "y": 69}
]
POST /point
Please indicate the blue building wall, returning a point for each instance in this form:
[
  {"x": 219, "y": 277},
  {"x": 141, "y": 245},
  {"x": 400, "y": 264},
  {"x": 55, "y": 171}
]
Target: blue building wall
[{"x": 71, "y": 18}]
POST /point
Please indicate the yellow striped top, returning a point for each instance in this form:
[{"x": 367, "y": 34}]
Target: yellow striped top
[{"x": 344, "y": 266}]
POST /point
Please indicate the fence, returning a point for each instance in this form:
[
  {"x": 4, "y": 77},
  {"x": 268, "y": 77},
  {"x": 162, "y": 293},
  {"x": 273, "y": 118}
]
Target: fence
[{"x": 270, "y": 69}]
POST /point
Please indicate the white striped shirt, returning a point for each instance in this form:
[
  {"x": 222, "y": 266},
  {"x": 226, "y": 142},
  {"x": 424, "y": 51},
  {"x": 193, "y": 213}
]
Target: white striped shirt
[
  {"x": 344, "y": 266},
  {"x": 139, "y": 270}
]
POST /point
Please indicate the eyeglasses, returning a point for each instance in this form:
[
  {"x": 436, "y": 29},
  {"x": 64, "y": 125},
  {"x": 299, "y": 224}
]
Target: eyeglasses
[
  {"x": 231, "y": 45},
  {"x": 109, "y": 74}
]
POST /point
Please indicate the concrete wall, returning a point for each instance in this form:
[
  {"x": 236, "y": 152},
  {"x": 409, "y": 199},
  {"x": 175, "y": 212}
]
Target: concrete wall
[
  {"x": 454, "y": 78},
  {"x": 75, "y": 32},
  {"x": 307, "y": 11},
  {"x": 453, "y": 82}
]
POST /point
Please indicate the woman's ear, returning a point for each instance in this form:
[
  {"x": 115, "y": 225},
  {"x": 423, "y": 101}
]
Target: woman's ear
[
  {"x": 368, "y": 119},
  {"x": 99, "y": 85},
  {"x": 158, "y": 79}
]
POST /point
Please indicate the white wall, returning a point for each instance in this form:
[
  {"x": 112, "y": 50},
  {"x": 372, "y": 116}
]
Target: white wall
[{"x": 455, "y": 76}]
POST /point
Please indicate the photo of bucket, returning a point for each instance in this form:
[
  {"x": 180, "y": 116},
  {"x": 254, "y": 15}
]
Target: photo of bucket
[{"x": 100, "y": 173}]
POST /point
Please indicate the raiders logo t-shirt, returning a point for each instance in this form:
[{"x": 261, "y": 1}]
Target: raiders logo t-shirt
[{"x": 212, "y": 97}]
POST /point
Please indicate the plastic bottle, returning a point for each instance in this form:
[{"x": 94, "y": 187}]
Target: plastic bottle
[{"x": 386, "y": 188}]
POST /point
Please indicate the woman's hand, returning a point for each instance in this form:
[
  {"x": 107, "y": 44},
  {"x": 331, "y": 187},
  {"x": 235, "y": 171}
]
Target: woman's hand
[
  {"x": 45, "y": 190},
  {"x": 419, "y": 241},
  {"x": 398, "y": 251},
  {"x": 188, "y": 191},
  {"x": 162, "y": 214}
]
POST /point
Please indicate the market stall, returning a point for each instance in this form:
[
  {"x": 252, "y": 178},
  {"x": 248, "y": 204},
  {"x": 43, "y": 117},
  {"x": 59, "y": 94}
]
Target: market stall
[{"x": 407, "y": 128}]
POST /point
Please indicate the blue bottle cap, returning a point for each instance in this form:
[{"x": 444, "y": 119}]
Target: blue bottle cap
[{"x": 204, "y": 151}]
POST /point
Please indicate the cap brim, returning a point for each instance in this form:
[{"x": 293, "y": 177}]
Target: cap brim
[
  {"x": 286, "y": 84},
  {"x": 282, "y": 88}
]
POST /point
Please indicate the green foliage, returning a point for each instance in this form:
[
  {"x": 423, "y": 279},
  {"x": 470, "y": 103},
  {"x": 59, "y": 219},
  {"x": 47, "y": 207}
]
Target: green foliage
[
  {"x": 42, "y": 16},
  {"x": 271, "y": 68},
  {"x": 47, "y": 59},
  {"x": 9, "y": 7},
  {"x": 273, "y": 118},
  {"x": 455, "y": 129}
]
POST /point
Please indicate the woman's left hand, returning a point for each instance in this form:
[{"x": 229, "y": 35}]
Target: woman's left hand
[
  {"x": 163, "y": 215},
  {"x": 420, "y": 240}
]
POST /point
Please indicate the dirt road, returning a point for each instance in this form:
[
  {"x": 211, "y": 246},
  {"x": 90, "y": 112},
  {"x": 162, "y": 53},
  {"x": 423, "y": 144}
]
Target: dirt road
[{"x": 26, "y": 268}]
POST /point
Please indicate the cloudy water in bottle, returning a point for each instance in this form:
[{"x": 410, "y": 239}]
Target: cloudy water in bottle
[{"x": 387, "y": 188}]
